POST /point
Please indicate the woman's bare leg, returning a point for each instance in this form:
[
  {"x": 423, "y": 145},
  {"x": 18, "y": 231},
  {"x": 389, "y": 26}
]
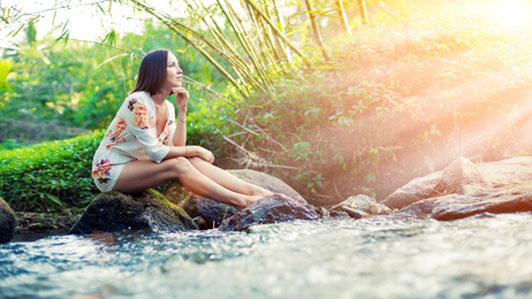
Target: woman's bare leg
[
  {"x": 226, "y": 179},
  {"x": 140, "y": 175}
]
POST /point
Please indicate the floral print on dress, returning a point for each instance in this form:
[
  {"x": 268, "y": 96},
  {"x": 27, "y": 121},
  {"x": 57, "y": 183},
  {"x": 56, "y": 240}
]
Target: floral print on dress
[
  {"x": 163, "y": 137},
  {"x": 140, "y": 114},
  {"x": 119, "y": 128},
  {"x": 101, "y": 170}
]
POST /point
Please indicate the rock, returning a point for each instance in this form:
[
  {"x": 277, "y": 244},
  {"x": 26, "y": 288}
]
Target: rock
[
  {"x": 175, "y": 192},
  {"x": 213, "y": 212},
  {"x": 340, "y": 214},
  {"x": 32, "y": 223},
  {"x": 361, "y": 205},
  {"x": 462, "y": 177},
  {"x": 270, "y": 209},
  {"x": 463, "y": 189},
  {"x": 512, "y": 199},
  {"x": 416, "y": 189},
  {"x": 115, "y": 211},
  {"x": 8, "y": 222}
]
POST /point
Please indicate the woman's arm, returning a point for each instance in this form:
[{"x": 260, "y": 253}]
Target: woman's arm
[
  {"x": 189, "y": 152},
  {"x": 180, "y": 135}
]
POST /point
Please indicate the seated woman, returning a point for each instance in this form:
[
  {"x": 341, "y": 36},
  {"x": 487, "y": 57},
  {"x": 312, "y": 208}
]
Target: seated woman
[{"x": 145, "y": 144}]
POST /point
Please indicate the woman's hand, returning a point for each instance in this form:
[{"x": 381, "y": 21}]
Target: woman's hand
[
  {"x": 181, "y": 98},
  {"x": 200, "y": 152}
]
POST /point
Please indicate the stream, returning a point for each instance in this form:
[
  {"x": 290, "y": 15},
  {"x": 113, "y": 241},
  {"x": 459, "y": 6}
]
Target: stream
[{"x": 381, "y": 257}]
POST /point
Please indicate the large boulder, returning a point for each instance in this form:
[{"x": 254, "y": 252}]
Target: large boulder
[
  {"x": 271, "y": 209},
  {"x": 463, "y": 189},
  {"x": 517, "y": 198},
  {"x": 212, "y": 213},
  {"x": 149, "y": 210},
  {"x": 462, "y": 177},
  {"x": 8, "y": 221},
  {"x": 416, "y": 189}
]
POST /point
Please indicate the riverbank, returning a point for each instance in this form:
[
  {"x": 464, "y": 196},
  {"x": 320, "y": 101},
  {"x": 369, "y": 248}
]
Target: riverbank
[{"x": 32, "y": 226}]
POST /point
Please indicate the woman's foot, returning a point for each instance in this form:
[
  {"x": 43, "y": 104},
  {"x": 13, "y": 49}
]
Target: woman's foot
[
  {"x": 247, "y": 201},
  {"x": 259, "y": 191}
]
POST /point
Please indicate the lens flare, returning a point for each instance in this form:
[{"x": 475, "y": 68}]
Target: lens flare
[{"x": 512, "y": 12}]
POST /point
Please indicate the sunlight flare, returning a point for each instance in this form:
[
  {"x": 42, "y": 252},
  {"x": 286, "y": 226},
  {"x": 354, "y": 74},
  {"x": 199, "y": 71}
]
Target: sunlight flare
[{"x": 512, "y": 13}]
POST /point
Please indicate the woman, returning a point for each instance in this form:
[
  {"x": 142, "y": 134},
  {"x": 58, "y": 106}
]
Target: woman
[{"x": 145, "y": 143}]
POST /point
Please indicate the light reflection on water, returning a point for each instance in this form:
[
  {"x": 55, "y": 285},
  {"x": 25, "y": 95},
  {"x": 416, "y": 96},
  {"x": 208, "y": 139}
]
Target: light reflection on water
[{"x": 378, "y": 257}]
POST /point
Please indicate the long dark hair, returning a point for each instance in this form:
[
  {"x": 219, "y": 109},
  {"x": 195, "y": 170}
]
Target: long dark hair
[{"x": 152, "y": 72}]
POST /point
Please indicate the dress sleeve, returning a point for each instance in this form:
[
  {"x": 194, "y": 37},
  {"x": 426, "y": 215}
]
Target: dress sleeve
[{"x": 140, "y": 120}]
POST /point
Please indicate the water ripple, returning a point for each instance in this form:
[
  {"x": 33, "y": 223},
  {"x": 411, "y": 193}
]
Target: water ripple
[{"x": 486, "y": 255}]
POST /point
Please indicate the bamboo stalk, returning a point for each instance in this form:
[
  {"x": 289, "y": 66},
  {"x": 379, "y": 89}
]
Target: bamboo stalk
[
  {"x": 279, "y": 33},
  {"x": 261, "y": 70},
  {"x": 343, "y": 17},
  {"x": 233, "y": 58},
  {"x": 271, "y": 41},
  {"x": 262, "y": 39},
  {"x": 315, "y": 29},
  {"x": 276, "y": 60},
  {"x": 280, "y": 21},
  {"x": 242, "y": 42},
  {"x": 363, "y": 11}
]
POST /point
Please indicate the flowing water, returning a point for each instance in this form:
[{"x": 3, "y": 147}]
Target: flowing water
[{"x": 382, "y": 257}]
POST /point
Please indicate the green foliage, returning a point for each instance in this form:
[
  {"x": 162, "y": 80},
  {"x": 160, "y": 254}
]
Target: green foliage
[
  {"x": 81, "y": 85},
  {"x": 391, "y": 106},
  {"x": 49, "y": 176},
  {"x": 31, "y": 32},
  {"x": 5, "y": 69}
]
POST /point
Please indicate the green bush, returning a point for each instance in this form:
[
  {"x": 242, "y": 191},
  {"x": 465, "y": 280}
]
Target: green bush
[{"x": 49, "y": 176}]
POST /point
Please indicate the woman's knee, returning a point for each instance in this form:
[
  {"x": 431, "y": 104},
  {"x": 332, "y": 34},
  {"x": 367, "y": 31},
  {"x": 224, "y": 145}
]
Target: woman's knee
[{"x": 180, "y": 165}]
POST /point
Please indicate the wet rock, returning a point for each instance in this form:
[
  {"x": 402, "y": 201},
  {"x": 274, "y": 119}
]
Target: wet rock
[
  {"x": 341, "y": 214},
  {"x": 213, "y": 212},
  {"x": 30, "y": 223},
  {"x": 115, "y": 211},
  {"x": 8, "y": 221},
  {"x": 270, "y": 209},
  {"x": 361, "y": 205},
  {"x": 322, "y": 211}
]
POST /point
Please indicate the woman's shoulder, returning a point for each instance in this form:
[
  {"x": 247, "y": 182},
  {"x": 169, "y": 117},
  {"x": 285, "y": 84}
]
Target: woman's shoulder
[
  {"x": 138, "y": 95},
  {"x": 139, "y": 99}
]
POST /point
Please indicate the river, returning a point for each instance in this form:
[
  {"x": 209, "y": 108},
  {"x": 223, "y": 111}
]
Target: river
[{"x": 381, "y": 257}]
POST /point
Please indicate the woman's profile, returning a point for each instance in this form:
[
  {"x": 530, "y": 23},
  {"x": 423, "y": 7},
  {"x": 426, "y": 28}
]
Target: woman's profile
[{"x": 145, "y": 144}]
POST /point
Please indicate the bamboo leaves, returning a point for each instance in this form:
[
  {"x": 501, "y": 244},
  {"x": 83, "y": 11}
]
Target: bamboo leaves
[{"x": 248, "y": 36}]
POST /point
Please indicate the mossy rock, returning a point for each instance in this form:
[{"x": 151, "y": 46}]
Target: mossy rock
[
  {"x": 149, "y": 210},
  {"x": 8, "y": 222}
]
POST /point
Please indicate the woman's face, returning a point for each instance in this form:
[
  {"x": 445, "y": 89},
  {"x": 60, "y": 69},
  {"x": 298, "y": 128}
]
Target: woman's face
[{"x": 174, "y": 74}]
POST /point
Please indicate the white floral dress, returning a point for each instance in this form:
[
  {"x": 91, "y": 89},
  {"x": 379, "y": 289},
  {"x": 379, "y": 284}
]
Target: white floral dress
[{"x": 132, "y": 135}]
